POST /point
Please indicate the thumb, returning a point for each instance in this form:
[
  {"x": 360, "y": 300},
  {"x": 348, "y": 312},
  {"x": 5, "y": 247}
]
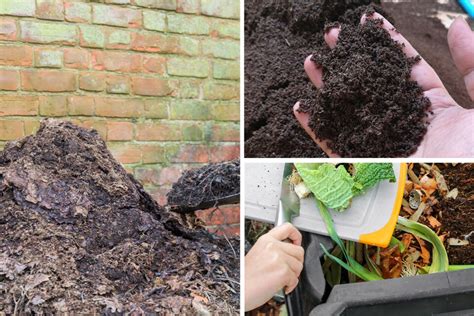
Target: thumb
[
  {"x": 303, "y": 119},
  {"x": 461, "y": 45}
]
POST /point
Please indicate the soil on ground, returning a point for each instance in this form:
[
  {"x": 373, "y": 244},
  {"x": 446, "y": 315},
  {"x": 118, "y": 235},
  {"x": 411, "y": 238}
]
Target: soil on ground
[
  {"x": 279, "y": 35},
  {"x": 77, "y": 233},
  {"x": 208, "y": 185},
  {"x": 457, "y": 215}
]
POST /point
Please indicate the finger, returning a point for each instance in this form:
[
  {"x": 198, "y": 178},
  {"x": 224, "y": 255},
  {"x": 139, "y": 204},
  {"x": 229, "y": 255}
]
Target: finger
[
  {"x": 461, "y": 45},
  {"x": 286, "y": 231},
  {"x": 421, "y": 72},
  {"x": 296, "y": 252},
  {"x": 331, "y": 36},
  {"x": 303, "y": 119},
  {"x": 290, "y": 288},
  {"x": 314, "y": 72},
  {"x": 294, "y": 264}
]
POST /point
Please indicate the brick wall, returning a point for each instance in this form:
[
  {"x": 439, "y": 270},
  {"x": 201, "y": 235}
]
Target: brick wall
[{"x": 158, "y": 79}]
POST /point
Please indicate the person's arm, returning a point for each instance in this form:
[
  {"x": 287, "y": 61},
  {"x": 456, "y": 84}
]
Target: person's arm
[
  {"x": 273, "y": 264},
  {"x": 451, "y": 132}
]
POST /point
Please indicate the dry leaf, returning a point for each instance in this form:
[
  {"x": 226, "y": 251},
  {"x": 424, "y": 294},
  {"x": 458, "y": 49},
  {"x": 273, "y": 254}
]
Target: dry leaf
[
  {"x": 425, "y": 254},
  {"x": 433, "y": 222}
]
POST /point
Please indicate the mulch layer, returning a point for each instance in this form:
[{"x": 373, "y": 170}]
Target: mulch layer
[{"x": 78, "y": 234}]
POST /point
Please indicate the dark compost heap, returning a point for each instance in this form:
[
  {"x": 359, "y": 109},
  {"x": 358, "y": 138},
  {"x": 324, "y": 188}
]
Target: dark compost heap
[
  {"x": 77, "y": 233},
  {"x": 280, "y": 34},
  {"x": 209, "y": 183}
]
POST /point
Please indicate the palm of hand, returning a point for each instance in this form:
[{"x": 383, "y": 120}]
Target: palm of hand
[{"x": 450, "y": 132}]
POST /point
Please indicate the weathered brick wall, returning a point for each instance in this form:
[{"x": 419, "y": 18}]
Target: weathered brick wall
[{"x": 159, "y": 80}]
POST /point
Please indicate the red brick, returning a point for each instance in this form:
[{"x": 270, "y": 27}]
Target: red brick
[
  {"x": 8, "y": 30},
  {"x": 160, "y": 131},
  {"x": 92, "y": 81},
  {"x": 77, "y": 11},
  {"x": 50, "y": 9},
  {"x": 48, "y": 80},
  {"x": 125, "y": 152},
  {"x": 154, "y": 43},
  {"x": 116, "y": 16},
  {"x": 31, "y": 127},
  {"x": 158, "y": 193},
  {"x": 228, "y": 230},
  {"x": 16, "y": 56},
  {"x": 119, "y": 130},
  {"x": 10, "y": 130},
  {"x": 224, "y": 153},
  {"x": 222, "y": 215},
  {"x": 116, "y": 61},
  {"x": 76, "y": 58},
  {"x": 117, "y": 38},
  {"x": 18, "y": 105},
  {"x": 191, "y": 153},
  {"x": 99, "y": 126},
  {"x": 187, "y": 6},
  {"x": 9, "y": 80},
  {"x": 81, "y": 105},
  {"x": 170, "y": 175},
  {"x": 153, "y": 153},
  {"x": 118, "y": 107},
  {"x": 154, "y": 64},
  {"x": 146, "y": 175},
  {"x": 150, "y": 86},
  {"x": 118, "y": 84},
  {"x": 225, "y": 133},
  {"x": 53, "y": 105}
]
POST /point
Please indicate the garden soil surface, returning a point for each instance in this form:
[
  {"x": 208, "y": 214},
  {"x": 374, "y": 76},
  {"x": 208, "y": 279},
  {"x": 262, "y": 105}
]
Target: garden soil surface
[
  {"x": 79, "y": 234},
  {"x": 210, "y": 183},
  {"x": 278, "y": 38}
]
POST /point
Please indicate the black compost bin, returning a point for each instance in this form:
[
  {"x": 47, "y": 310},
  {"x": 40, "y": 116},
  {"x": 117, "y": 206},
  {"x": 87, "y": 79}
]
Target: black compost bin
[{"x": 447, "y": 294}]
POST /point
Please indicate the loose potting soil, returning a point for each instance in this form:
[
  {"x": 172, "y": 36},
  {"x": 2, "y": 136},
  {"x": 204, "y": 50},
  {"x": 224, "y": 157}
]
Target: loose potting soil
[
  {"x": 207, "y": 184},
  {"x": 78, "y": 234},
  {"x": 368, "y": 106},
  {"x": 280, "y": 34}
]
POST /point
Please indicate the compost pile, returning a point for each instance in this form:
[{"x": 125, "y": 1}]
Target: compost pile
[
  {"x": 280, "y": 34},
  {"x": 210, "y": 183},
  {"x": 77, "y": 233}
]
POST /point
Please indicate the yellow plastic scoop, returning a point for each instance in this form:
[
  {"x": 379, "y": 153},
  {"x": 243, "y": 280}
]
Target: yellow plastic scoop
[{"x": 370, "y": 219}]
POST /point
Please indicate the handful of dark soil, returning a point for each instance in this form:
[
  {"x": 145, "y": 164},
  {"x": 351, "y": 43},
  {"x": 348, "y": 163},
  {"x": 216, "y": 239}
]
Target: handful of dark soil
[
  {"x": 78, "y": 234},
  {"x": 368, "y": 106},
  {"x": 206, "y": 186}
]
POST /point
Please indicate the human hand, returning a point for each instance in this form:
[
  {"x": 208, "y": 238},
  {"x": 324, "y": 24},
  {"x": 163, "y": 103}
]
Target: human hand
[
  {"x": 273, "y": 264},
  {"x": 450, "y": 132}
]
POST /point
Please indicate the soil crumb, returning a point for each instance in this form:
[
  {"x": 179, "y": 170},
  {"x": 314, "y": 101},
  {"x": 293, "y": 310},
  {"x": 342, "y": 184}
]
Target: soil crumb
[
  {"x": 368, "y": 105},
  {"x": 78, "y": 234},
  {"x": 206, "y": 184}
]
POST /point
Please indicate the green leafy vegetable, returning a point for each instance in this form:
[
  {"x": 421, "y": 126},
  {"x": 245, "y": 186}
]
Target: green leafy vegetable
[
  {"x": 330, "y": 185},
  {"x": 367, "y": 175},
  {"x": 335, "y": 187}
]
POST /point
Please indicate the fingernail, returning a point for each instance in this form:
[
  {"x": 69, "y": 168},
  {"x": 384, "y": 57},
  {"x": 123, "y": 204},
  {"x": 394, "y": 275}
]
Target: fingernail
[{"x": 331, "y": 26}]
